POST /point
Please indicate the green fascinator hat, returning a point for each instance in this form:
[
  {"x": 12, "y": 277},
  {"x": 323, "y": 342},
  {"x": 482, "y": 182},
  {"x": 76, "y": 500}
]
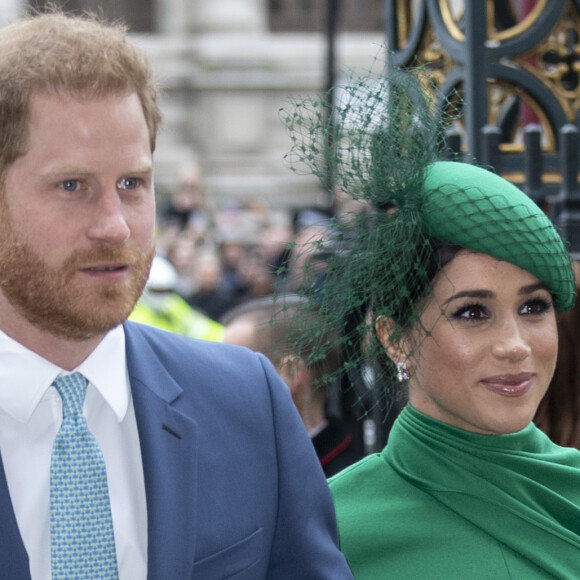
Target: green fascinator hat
[
  {"x": 467, "y": 206},
  {"x": 381, "y": 143}
]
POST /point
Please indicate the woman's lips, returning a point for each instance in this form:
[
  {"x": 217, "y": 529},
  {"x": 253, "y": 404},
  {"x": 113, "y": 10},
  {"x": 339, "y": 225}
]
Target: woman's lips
[{"x": 509, "y": 385}]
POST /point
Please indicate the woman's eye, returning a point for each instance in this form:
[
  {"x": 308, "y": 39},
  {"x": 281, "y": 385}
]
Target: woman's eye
[
  {"x": 536, "y": 306},
  {"x": 474, "y": 312},
  {"x": 128, "y": 183},
  {"x": 70, "y": 185}
]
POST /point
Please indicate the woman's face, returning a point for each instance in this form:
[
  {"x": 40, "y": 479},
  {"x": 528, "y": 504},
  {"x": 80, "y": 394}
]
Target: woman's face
[{"x": 491, "y": 346}]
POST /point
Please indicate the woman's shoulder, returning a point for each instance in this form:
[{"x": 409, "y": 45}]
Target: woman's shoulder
[
  {"x": 364, "y": 480},
  {"x": 359, "y": 470},
  {"x": 371, "y": 490}
]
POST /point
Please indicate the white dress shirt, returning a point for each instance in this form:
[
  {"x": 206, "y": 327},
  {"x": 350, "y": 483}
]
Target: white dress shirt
[{"x": 30, "y": 417}]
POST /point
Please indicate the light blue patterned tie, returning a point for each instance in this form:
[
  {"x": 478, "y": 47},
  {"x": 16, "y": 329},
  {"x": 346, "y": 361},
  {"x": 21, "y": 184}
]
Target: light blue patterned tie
[{"x": 81, "y": 529}]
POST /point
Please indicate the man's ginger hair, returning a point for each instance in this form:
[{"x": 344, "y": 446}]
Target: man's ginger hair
[{"x": 56, "y": 53}]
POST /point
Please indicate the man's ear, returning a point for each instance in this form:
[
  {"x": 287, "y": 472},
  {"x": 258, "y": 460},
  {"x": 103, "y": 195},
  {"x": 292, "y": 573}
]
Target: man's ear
[
  {"x": 394, "y": 347},
  {"x": 292, "y": 368}
]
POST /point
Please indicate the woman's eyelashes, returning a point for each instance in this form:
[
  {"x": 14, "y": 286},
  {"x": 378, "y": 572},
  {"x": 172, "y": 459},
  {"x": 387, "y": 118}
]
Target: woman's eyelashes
[
  {"x": 472, "y": 311},
  {"x": 476, "y": 311},
  {"x": 536, "y": 306}
]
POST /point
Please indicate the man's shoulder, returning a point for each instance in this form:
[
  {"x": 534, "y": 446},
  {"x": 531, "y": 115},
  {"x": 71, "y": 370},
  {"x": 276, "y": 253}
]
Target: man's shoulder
[
  {"x": 140, "y": 335},
  {"x": 148, "y": 346},
  {"x": 196, "y": 373}
]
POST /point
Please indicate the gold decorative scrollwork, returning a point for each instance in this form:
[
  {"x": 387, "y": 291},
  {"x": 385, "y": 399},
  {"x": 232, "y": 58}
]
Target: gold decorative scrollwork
[
  {"x": 452, "y": 13},
  {"x": 495, "y": 33},
  {"x": 555, "y": 61},
  {"x": 437, "y": 61},
  {"x": 501, "y": 96}
]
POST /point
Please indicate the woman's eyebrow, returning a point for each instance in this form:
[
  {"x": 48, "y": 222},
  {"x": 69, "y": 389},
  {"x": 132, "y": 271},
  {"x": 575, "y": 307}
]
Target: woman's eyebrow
[
  {"x": 530, "y": 288},
  {"x": 474, "y": 293},
  {"x": 482, "y": 293}
]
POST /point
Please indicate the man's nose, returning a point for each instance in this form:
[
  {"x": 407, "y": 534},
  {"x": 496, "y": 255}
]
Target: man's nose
[{"x": 109, "y": 223}]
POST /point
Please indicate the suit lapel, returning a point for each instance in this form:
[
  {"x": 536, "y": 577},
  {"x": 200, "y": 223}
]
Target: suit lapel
[
  {"x": 12, "y": 552},
  {"x": 169, "y": 457}
]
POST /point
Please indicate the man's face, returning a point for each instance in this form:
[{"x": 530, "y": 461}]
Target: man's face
[{"x": 77, "y": 217}]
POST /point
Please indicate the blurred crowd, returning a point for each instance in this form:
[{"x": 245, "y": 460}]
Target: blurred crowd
[
  {"x": 210, "y": 263},
  {"x": 223, "y": 258},
  {"x": 218, "y": 275}
]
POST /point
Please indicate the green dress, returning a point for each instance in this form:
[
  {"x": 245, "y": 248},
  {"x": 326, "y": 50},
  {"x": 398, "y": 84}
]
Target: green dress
[{"x": 444, "y": 503}]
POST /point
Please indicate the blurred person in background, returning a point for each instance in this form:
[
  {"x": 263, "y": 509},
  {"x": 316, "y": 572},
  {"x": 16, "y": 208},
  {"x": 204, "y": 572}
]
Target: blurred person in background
[
  {"x": 305, "y": 260},
  {"x": 232, "y": 249},
  {"x": 212, "y": 294},
  {"x": 161, "y": 306},
  {"x": 187, "y": 208},
  {"x": 256, "y": 276},
  {"x": 182, "y": 254},
  {"x": 269, "y": 325}
]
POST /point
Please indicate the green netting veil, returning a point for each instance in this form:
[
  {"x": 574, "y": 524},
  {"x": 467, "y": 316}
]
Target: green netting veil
[{"x": 381, "y": 143}]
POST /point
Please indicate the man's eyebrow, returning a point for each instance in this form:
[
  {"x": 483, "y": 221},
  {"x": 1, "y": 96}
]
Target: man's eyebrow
[
  {"x": 67, "y": 170},
  {"x": 146, "y": 168},
  {"x": 77, "y": 170}
]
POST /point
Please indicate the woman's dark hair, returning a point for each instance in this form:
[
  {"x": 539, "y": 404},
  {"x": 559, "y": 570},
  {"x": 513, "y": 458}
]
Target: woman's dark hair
[
  {"x": 441, "y": 255},
  {"x": 432, "y": 256},
  {"x": 558, "y": 414}
]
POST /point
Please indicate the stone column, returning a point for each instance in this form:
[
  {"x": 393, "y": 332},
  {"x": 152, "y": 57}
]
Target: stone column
[
  {"x": 171, "y": 17},
  {"x": 227, "y": 15},
  {"x": 10, "y": 10}
]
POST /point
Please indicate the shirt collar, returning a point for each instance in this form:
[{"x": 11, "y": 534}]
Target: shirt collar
[
  {"x": 25, "y": 376},
  {"x": 106, "y": 369}
]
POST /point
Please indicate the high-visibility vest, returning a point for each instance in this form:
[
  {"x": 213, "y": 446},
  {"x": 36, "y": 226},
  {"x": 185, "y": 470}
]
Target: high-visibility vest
[{"x": 178, "y": 316}]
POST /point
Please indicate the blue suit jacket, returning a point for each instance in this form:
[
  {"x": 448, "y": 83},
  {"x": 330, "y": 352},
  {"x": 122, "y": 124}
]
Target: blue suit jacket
[{"x": 234, "y": 488}]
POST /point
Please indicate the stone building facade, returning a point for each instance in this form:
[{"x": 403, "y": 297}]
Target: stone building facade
[{"x": 227, "y": 67}]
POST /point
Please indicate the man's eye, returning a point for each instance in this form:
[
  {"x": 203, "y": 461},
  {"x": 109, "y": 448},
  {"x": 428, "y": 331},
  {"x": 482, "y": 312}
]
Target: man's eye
[
  {"x": 70, "y": 185},
  {"x": 128, "y": 183}
]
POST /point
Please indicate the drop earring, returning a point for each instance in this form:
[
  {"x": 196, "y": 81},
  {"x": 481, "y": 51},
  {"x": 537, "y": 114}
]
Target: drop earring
[{"x": 402, "y": 374}]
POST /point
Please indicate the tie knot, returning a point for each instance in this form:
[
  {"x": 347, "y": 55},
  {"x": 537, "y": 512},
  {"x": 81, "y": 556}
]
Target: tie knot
[{"x": 72, "y": 389}]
